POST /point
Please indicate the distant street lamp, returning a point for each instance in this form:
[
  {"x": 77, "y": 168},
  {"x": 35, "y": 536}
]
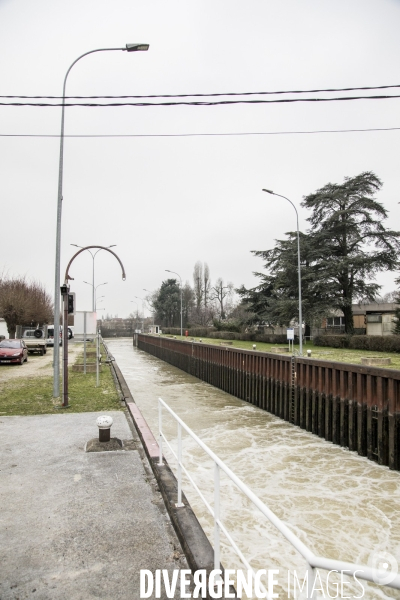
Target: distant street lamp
[
  {"x": 143, "y": 302},
  {"x": 57, "y": 290},
  {"x": 298, "y": 269},
  {"x": 173, "y": 272},
  {"x": 152, "y": 307},
  {"x": 93, "y": 257},
  {"x": 137, "y": 311},
  {"x": 94, "y": 290}
]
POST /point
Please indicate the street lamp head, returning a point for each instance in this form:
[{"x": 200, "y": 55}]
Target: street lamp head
[
  {"x": 137, "y": 47},
  {"x": 268, "y": 191}
]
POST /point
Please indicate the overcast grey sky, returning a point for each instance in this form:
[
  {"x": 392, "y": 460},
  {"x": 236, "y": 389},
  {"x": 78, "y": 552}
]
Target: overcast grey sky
[{"x": 167, "y": 202}]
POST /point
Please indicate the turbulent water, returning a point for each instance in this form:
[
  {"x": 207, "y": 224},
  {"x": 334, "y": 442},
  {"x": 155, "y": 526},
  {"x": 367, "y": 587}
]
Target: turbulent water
[{"x": 340, "y": 505}]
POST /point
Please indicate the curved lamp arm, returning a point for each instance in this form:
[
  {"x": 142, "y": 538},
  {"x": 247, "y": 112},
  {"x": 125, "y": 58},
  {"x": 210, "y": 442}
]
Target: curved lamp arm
[{"x": 67, "y": 275}]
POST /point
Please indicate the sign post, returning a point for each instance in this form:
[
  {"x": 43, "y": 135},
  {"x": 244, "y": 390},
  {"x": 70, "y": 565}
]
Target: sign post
[{"x": 290, "y": 336}]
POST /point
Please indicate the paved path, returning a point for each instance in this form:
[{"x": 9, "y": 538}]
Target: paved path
[{"x": 77, "y": 525}]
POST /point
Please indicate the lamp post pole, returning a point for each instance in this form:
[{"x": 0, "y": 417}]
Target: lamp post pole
[
  {"x": 57, "y": 291},
  {"x": 94, "y": 292},
  {"x": 152, "y": 307},
  {"x": 174, "y": 273},
  {"x": 93, "y": 257},
  {"x": 298, "y": 269},
  {"x": 143, "y": 301}
]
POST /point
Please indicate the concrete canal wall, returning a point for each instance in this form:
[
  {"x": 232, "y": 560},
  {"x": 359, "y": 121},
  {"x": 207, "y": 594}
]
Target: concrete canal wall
[{"x": 357, "y": 407}]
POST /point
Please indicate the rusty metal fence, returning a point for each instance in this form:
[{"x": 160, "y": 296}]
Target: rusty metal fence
[{"x": 356, "y": 407}]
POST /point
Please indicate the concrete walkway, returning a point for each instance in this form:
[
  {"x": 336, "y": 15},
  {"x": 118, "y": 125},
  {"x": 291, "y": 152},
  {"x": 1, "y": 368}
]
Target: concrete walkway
[{"x": 76, "y": 524}]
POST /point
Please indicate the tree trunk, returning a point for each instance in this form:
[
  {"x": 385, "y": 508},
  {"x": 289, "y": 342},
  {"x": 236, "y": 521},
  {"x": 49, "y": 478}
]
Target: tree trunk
[{"x": 348, "y": 319}]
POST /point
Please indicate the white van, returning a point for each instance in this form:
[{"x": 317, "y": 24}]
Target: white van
[{"x": 50, "y": 336}]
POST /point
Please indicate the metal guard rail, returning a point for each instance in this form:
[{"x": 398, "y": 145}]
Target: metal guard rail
[{"x": 313, "y": 561}]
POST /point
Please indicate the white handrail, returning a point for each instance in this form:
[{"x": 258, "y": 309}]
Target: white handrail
[{"x": 314, "y": 562}]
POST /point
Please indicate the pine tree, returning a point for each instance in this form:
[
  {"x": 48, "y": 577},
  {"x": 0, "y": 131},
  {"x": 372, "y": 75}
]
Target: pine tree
[{"x": 350, "y": 243}]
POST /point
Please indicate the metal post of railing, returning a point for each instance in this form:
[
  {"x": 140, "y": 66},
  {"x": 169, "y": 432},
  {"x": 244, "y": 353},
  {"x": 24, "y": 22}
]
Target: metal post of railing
[
  {"x": 160, "y": 462},
  {"x": 311, "y": 574},
  {"x": 179, "y": 504},
  {"x": 217, "y": 560}
]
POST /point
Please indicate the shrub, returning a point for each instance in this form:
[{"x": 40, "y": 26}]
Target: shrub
[
  {"x": 377, "y": 343},
  {"x": 333, "y": 341}
]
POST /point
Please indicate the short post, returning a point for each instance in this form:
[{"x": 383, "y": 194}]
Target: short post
[
  {"x": 309, "y": 353},
  {"x": 104, "y": 424}
]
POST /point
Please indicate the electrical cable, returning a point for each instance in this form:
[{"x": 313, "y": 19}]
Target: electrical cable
[
  {"x": 211, "y": 103},
  {"x": 214, "y": 94},
  {"x": 238, "y": 133}
]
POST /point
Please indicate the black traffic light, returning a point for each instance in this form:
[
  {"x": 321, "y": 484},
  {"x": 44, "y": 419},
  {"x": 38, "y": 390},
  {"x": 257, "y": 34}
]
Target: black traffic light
[{"x": 71, "y": 304}]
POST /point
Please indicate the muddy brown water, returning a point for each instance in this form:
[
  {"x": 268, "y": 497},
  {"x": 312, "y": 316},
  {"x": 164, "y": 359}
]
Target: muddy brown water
[{"x": 339, "y": 504}]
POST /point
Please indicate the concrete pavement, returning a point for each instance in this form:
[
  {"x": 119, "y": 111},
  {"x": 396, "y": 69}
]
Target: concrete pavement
[{"x": 75, "y": 524}]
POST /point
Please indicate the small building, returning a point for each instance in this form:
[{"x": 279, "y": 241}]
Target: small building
[
  {"x": 155, "y": 329},
  {"x": 378, "y": 317},
  {"x": 374, "y": 318}
]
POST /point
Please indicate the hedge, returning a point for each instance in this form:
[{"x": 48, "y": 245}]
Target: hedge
[{"x": 377, "y": 343}]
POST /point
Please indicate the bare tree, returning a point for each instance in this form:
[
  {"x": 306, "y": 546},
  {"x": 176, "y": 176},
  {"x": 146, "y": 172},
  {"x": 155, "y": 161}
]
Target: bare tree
[
  {"x": 220, "y": 293},
  {"x": 198, "y": 284},
  {"x": 206, "y": 284},
  {"x": 23, "y": 303}
]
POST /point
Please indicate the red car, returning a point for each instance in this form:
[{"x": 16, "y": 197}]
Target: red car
[{"x": 13, "y": 351}]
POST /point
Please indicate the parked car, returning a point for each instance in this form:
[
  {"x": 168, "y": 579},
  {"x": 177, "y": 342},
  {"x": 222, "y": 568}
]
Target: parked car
[
  {"x": 50, "y": 336},
  {"x": 13, "y": 351}
]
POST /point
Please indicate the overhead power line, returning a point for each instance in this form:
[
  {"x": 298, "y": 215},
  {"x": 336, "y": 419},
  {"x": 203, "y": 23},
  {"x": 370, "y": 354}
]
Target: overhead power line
[
  {"x": 213, "y": 94},
  {"x": 238, "y": 133},
  {"x": 210, "y": 103}
]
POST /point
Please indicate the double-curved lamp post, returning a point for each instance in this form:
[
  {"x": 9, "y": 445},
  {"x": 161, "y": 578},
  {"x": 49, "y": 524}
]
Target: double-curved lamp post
[
  {"x": 65, "y": 290},
  {"x": 174, "y": 273},
  {"x": 57, "y": 291},
  {"x": 92, "y": 284},
  {"x": 298, "y": 269}
]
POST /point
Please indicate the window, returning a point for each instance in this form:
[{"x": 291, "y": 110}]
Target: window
[{"x": 335, "y": 322}]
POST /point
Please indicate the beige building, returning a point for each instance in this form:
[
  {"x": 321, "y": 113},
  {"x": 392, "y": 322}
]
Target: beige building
[{"x": 375, "y": 319}]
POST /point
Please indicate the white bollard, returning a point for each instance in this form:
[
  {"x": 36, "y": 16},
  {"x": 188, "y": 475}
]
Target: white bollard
[{"x": 104, "y": 424}]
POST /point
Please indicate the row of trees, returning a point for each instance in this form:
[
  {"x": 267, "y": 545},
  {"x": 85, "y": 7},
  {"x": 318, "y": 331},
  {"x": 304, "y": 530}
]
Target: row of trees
[
  {"x": 345, "y": 247},
  {"x": 203, "y": 303},
  {"x": 23, "y": 303}
]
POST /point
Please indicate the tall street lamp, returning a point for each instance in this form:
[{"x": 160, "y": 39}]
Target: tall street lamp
[
  {"x": 143, "y": 301},
  {"x": 93, "y": 257},
  {"x": 173, "y": 272},
  {"x": 94, "y": 291},
  {"x": 137, "y": 311},
  {"x": 298, "y": 269},
  {"x": 152, "y": 307},
  {"x": 57, "y": 291}
]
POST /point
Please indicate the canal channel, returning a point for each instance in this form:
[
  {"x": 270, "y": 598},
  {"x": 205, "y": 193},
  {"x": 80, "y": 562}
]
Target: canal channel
[{"x": 340, "y": 504}]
